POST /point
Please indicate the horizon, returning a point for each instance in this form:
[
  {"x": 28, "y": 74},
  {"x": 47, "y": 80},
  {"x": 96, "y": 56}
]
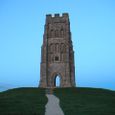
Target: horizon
[{"x": 93, "y": 36}]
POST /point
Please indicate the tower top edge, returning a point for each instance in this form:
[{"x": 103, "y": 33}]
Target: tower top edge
[{"x": 57, "y": 15}]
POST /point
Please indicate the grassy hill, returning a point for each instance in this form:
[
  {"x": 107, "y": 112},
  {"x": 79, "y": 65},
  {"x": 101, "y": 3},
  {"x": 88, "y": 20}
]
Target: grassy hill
[
  {"x": 86, "y": 101},
  {"x": 23, "y": 101},
  {"x": 74, "y": 101}
]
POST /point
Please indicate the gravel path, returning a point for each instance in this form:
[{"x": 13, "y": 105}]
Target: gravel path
[{"x": 52, "y": 107}]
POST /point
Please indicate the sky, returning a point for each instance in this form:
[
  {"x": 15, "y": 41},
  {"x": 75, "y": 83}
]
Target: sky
[{"x": 21, "y": 36}]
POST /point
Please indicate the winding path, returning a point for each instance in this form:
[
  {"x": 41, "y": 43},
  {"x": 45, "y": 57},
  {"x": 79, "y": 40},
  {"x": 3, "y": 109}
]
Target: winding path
[{"x": 52, "y": 107}]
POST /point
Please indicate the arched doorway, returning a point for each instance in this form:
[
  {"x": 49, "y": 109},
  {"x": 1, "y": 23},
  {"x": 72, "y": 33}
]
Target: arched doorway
[{"x": 57, "y": 81}]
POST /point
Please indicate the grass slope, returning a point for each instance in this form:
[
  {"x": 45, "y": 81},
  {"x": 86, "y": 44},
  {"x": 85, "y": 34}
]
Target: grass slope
[
  {"x": 23, "y": 101},
  {"x": 74, "y": 101},
  {"x": 86, "y": 101}
]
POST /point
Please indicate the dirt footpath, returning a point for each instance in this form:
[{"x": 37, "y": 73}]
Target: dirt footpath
[{"x": 53, "y": 107}]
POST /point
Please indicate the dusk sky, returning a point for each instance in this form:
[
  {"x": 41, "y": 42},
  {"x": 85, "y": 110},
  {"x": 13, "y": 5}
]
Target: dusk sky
[{"x": 21, "y": 36}]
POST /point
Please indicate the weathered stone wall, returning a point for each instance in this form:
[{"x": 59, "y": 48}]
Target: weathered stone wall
[{"x": 57, "y": 55}]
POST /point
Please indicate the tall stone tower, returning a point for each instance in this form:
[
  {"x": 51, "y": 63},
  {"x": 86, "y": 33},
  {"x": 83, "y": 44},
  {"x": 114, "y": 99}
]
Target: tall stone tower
[{"x": 57, "y": 55}]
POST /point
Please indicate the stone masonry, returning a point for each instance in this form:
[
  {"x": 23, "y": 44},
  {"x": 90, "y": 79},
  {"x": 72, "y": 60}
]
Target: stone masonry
[{"x": 57, "y": 55}]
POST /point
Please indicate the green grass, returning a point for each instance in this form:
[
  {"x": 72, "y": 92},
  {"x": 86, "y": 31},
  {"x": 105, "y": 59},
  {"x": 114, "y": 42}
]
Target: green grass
[
  {"x": 74, "y": 101},
  {"x": 86, "y": 101},
  {"x": 23, "y": 101}
]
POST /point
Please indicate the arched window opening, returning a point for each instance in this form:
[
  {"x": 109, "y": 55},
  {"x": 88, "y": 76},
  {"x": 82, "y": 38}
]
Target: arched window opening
[
  {"x": 56, "y": 47},
  {"x": 57, "y": 81},
  {"x": 62, "y": 33},
  {"x": 63, "y": 48},
  {"x": 51, "y": 48},
  {"x": 56, "y": 33},
  {"x": 51, "y": 33}
]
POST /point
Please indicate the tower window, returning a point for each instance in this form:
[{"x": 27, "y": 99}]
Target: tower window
[{"x": 56, "y": 58}]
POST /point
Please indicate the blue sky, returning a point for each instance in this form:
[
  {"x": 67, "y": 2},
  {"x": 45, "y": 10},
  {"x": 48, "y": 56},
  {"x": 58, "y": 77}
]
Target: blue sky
[{"x": 93, "y": 35}]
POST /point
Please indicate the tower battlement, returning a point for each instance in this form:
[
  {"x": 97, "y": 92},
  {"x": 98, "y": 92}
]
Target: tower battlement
[
  {"x": 57, "y": 15},
  {"x": 57, "y": 18}
]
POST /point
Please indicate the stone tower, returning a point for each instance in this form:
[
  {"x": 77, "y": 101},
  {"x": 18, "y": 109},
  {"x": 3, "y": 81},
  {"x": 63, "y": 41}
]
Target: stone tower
[{"x": 57, "y": 55}]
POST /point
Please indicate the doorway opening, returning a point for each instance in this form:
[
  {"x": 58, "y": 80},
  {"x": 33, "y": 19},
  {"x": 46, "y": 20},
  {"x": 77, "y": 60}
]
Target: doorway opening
[{"x": 57, "y": 82}]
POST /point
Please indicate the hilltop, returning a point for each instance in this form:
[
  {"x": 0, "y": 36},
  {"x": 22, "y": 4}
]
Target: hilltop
[{"x": 74, "y": 101}]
